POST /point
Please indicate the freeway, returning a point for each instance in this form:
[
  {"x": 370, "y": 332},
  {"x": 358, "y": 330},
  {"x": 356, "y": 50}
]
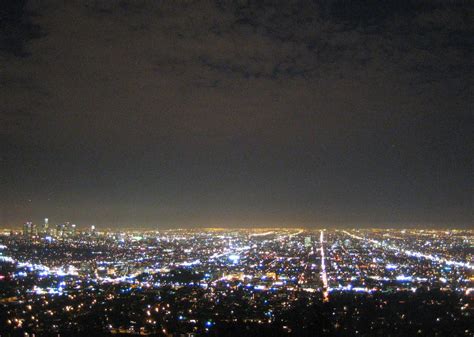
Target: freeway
[
  {"x": 324, "y": 277},
  {"x": 412, "y": 253}
]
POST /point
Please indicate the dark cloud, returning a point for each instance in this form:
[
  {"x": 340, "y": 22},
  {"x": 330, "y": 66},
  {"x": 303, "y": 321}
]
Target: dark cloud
[
  {"x": 16, "y": 28},
  {"x": 237, "y": 112}
]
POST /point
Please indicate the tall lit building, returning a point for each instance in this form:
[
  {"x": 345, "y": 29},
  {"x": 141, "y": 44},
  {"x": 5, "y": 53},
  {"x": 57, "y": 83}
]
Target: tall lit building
[
  {"x": 67, "y": 229},
  {"x": 29, "y": 230},
  {"x": 60, "y": 230},
  {"x": 53, "y": 231},
  {"x": 45, "y": 228}
]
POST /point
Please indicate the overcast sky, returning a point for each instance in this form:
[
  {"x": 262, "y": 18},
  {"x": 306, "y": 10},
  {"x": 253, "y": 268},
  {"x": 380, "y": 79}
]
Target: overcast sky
[{"x": 207, "y": 113}]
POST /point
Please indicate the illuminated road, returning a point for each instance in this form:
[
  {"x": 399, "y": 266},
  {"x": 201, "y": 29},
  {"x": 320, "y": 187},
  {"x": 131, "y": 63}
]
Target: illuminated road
[
  {"x": 295, "y": 234},
  {"x": 262, "y": 234},
  {"x": 412, "y": 253},
  {"x": 324, "y": 277}
]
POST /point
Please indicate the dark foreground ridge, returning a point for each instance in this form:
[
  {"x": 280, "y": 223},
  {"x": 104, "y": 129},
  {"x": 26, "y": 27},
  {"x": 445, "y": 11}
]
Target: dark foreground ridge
[{"x": 425, "y": 313}]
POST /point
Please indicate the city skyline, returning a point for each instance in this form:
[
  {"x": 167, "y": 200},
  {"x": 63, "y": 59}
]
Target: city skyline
[{"x": 152, "y": 228}]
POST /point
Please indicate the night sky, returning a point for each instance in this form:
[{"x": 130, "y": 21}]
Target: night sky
[{"x": 218, "y": 113}]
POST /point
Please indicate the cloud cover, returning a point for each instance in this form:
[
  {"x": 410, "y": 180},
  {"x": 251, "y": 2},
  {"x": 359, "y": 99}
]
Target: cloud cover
[{"x": 216, "y": 112}]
